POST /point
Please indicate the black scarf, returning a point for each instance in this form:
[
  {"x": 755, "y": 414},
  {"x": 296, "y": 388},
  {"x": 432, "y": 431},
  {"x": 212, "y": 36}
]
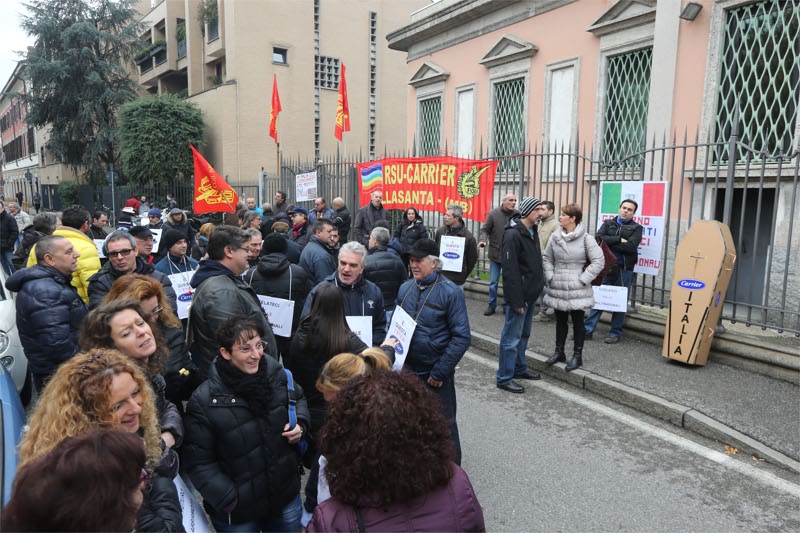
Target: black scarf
[{"x": 253, "y": 388}]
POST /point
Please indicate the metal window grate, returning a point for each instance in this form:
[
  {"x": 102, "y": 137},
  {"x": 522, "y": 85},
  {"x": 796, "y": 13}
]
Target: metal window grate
[
  {"x": 626, "y": 104},
  {"x": 508, "y": 122},
  {"x": 760, "y": 72},
  {"x": 327, "y": 73},
  {"x": 430, "y": 118},
  {"x": 373, "y": 82}
]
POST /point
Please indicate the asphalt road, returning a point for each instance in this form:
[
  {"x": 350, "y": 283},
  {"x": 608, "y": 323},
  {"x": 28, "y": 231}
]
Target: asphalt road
[{"x": 560, "y": 459}]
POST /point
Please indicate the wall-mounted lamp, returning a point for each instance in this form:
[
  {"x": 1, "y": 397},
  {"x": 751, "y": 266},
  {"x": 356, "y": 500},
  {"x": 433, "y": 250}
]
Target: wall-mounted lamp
[{"x": 690, "y": 11}]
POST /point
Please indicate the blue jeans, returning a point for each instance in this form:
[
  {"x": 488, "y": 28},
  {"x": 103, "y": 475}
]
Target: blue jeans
[
  {"x": 288, "y": 521},
  {"x": 513, "y": 343},
  {"x": 622, "y": 278},
  {"x": 494, "y": 281},
  {"x": 6, "y": 258}
]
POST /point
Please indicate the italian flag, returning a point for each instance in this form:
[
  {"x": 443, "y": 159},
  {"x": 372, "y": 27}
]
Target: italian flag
[{"x": 649, "y": 196}]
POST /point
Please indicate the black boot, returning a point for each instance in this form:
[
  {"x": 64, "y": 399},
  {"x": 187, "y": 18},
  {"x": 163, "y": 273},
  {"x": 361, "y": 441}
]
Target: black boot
[
  {"x": 561, "y": 339},
  {"x": 576, "y": 361},
  {"x": 558, "y": 356}
]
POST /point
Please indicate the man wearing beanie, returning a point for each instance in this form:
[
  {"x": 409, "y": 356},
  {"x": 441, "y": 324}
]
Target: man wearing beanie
[
  {"x": 175, "y": 260},
  {"x": 154, "y": 215},
  {"x": 293, "y": 250},
  {"x": 523, "y": 281}
]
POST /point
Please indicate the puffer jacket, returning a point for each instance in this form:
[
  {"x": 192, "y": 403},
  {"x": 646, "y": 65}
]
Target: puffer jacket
[
  {"x": 470, "y": 251},
  {"x": 218, "y": 296},
  {"x": 271, "y": 277},
  {"x": 523, "y": 274},
  {"x": 100, "y": 284},
  {"x": 9, "y": 231},
  {"x": 161, "y": 508},
  {"x": 613, "y": 231},
  {"x": 234, "y": 457},
  {"x": 180, "y": 373},
  {"x": 29, "y": 237},
  {"x": 183, "y": 226},
  {"x": 366, "y": 217},
  {"x": 407, "y": 234},
  {"x": 169, "y": 418},
  {"x": 442, "y": 335},
  {"x": 317, "y": 260},
  {"x": 387, "y": 271},
  {"x": 568, "y": 287},
  {"x": 88, "y": 262},
  {"x": 493, "y": 229},
  {"x": 49, "y": 315},
  {"x": 547, "y": 227}
]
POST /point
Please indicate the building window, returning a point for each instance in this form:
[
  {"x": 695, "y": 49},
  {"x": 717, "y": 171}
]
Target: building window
[
  {"x": 560, "y": 119},
  {"x": 429, "y": 119},
  {"x": 326, "y": 75},
  {"x": 626, "y": 103},
  {"x": 465, "y": 122},
  {"x": 760, "y": 73},
  {"x": 280, "y": 55},
  {"x": 373, "y": 83},
  {"x": 508, "y": 122}
]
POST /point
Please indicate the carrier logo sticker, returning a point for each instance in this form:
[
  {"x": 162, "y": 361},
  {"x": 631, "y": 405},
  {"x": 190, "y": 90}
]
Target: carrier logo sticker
[
  {"x": 399, "y": 348},
  {"x": 185, "y": 297},
  {"x": 691, "y": 284},
  {"x": 451, "y": 255}
]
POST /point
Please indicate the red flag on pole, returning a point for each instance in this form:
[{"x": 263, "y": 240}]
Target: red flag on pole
[
  {"x": 342, "y": 108},
  {"x": 212, "y": 194},
  {"x": 276, "y": 108}
]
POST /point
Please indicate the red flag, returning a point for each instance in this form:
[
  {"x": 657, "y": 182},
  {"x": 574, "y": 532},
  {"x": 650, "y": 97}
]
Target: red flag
[
  {"x": 342, "y": 108},
  {"x": 212, "y": 194},
  {"x": 276, "y": 108}
]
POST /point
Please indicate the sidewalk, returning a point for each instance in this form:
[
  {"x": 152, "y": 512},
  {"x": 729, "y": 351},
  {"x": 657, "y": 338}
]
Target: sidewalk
[{"x": 765, "y": 409}]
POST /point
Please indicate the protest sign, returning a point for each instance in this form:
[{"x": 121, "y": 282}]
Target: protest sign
[
  {"x": 306, "y": 186},
  {"x": 452, "y": 253},
  {"x": 279, "y": 313},
  {"x": 402, "y": 328}
]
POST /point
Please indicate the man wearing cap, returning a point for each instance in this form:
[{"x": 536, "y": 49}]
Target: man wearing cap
[
  {"x": 293, "y": 250},
  {"x": 523, "y": 281},
  {"x": 442, "y": 335},
  {"x": 144, "y": 242},
  {"x": 175, "y": 261},
  {"x": 300, "y": 234}
]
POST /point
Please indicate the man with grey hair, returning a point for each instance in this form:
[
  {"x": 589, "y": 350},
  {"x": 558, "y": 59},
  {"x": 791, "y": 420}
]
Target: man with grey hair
[
  {"x": 384, "y": 268},
  {"x": 49, "y": 308},
  {"x": 341, "y": 218},
  {"x": 363, "y": 300},
  {"x": 254, "y": 246},
  {"x": 454, "y": 227}
]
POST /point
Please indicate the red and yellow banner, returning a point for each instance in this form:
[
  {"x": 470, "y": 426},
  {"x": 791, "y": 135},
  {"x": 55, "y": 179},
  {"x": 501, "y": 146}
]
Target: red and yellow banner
[
  {"x": 212, "y": 194},
  {"x": 430, "y": 183},
  {"x": 276, "y": 108},
  {"x": 342, "y": 108}
]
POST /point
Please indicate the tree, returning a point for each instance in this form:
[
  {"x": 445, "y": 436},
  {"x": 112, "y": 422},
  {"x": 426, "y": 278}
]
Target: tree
[
  {"x": 78, "y": 76},
  {"x": 155, "y": 133}
]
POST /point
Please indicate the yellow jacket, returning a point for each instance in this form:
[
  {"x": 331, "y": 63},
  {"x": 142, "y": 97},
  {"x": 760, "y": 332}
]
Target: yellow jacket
[{"x": 88, "y": 262}]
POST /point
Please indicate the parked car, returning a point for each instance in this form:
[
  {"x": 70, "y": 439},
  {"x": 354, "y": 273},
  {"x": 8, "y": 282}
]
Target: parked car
[
  {"x": 12, "y": 356},
  {"x": 12, "y": 419}
]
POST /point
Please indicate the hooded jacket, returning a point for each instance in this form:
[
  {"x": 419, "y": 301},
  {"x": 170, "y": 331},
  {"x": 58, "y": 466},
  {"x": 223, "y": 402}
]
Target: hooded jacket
[
  {"x": 88, "y": 262},
  {"x": 183, "y": 226},
  {"x": 100, "y": 284},
  {"x": 523, "y": 273},
  {"x": 470, "y": 251},
  {"x": 272, "y": 276},
  {"x": 568, "y": 287},
  {"x": 49, "y": 314},
  {"x": 386, "y": 270},
  {"x": 317, "y": 260}
]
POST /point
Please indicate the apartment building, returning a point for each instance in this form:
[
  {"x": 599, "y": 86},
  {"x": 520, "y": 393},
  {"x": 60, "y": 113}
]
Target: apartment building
[{"x": 19, "y": 157}]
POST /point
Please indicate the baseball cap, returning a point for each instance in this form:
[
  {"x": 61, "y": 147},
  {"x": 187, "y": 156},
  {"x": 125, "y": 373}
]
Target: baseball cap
[
  {"x": 140, "y": 232},
  {"x": 298, "y": 209}
]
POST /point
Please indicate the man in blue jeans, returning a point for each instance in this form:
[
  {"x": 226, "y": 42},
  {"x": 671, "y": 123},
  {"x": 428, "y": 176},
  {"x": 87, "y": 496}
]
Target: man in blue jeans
[
  {"x": 523, "y": 281},
  {"x": 492, "y": 234},
  {"x": 622, "y": 234}
]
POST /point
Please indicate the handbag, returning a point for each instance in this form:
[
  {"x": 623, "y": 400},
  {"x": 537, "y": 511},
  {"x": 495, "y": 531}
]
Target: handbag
[{"x": 609, "y": 260}]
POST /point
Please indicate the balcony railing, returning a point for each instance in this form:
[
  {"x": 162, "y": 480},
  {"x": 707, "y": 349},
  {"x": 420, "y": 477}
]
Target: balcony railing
[
  {"x": 182, "y": 49},
  {"x": 213, "y": 30}
]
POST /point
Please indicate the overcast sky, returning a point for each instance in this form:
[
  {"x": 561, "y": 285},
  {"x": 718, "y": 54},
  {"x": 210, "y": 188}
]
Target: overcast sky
[{"x": 12, "y": 38}]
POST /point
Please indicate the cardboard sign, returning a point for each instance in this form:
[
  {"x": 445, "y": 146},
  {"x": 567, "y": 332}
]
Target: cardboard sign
[
  {"x": 280, "y": 314},
  {"x": 452, "y": 253},
  {"x": 99, "y": 243},
  {"x": 183, "y": 291},
  {"x": 402, "y": 328},
  {"x": 703, "y": 267},
  {"x": 361, "y": 326},
  {"x": 156, "y": 238},
  {"x": 305, "y": 186},
  {"x": 611, "y": 298},
  {"x": 194, "y": 517}
]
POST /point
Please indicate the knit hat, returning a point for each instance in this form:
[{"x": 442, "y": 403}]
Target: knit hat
[
  {"x": 281, "y": 227},
  {"x": 155, "y": 212},
  {"x": 170, "y": 238},
  {"x": 274, "y": 243},
  {"x": 527, "y": 205}
]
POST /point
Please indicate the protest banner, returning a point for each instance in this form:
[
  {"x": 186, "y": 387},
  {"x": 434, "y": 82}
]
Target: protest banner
[{"x": 306, "y": 186}]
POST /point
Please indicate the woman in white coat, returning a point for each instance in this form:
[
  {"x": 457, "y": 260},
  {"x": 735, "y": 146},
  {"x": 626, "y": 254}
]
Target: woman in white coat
[{"x": 572, "y": 260}]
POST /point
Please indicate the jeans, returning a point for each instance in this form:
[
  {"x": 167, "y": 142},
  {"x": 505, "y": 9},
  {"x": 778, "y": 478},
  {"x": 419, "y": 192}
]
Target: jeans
[
  {"x": 621, "y": 278},
  {"x": 6, "y": 258},
  {"x": 514, "y": 342},
  {"x": 288, "y": 521},
  {"x": 494, "y": 281},
  {"x": 447, "y": 399}
]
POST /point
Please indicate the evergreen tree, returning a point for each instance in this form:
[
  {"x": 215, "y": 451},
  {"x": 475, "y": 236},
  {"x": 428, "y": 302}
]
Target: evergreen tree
[
  {"x": 79, "y": 76},
  {"x": 154, "y": 134}
]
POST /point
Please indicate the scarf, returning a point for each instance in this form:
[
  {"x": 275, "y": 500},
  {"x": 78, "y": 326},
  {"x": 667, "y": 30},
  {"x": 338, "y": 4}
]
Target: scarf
[
  {"x": 253, "y": 388},
  {"x": 296, "y": 228}
]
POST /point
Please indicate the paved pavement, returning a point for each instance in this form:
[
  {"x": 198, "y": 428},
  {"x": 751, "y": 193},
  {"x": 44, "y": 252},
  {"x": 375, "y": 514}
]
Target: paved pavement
[
  {"x": 560, "y": 459},
  {"x": 763, "y": 408}
]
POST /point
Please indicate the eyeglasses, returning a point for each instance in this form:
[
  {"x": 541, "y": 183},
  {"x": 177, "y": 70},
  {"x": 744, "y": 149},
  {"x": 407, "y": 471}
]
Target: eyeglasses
[
  {"x": 123, "y": 253},
  {"x": 247, "y": 349},
  {"x": 156, "y": 311}
]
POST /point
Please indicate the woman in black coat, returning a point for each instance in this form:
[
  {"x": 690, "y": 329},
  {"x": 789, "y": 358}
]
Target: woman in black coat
[{"x": 410, "y": 229}]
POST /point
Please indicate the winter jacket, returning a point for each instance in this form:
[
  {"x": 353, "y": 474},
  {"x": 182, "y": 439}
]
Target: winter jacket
[
  {"x": 342, "y": 220},
  {"x": 100, "y": 284},
  {"x": 49, "y": 314},
  {"x": 235, "y": 458},
  {"x": 613, "y": 231},
  {"x": 293, "y": 250},
  {"x": 547, "y": 227},
  {"x": 218, "y": 296},
  {"x": 302, "y": 237},
  {"x": 442, "y": 335},
  {"x": 407, "y": 234},
  {"x": 169, "y": 418},
  {"x": 313, "y": 215},
  {"x": 96, "y": 233},
  {"x": 161, "y": 508},
  {"x": 317, "y": 260},
  {"x": 454, "y": 507},
  {"x": 387, "y": 271},
  {"x": 523, "y": 274},
  {"x": 470, "y": 251},
  {"x": 174, "y": 265},
  {"x": 134, "y": 203},
  {"x": 180, "y": 373},
  {"x": 29, "y": 237},
  {"x": 363, "y": 298},
  {"x": 199, "y": 248},
  {"x": 271, "y": 277},
  {"x": 568, "y": 287},
  {"x": 492, "y": 231},
  {"x": 183, "y": 226},
  {"x": 88, "y": 262},
  {"x": 280, "y": 208},
  {"x": 366, "y": 218},
  {"x": 23, "y": 219},
  {"x": 9, "y": 232}
]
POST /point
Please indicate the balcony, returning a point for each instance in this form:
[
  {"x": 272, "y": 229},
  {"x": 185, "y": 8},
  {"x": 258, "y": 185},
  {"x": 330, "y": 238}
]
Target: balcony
[{"x": 153, "y": 64}]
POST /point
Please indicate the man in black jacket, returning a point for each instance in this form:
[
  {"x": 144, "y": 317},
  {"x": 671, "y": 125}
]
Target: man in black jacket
[
  {"x": 454, "y": 227},
  {"x": 9, "y": 231},
  {"x": 384, "y": 269},
  {"x": 317, "y": 256},
  {"x": 342, "y": 218},
  {"x": 366, "y": 218},
  {"x": 623, "y": 235},
  {"x": 523, "y": 281},
  {"x": 97, "y": 231}
]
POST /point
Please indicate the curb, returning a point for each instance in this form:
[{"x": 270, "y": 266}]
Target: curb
[{"x": 676, "y": 414}]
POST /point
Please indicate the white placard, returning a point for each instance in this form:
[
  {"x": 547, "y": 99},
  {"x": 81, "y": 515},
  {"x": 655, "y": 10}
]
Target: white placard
[
  {"x": 99, "y": 243},
  {"x": 156, "y": 238},
  {"x": 306, "y": 186},
  {"x": 280, "y": 314},
  {"x": 452, "y": 253},
  {"x": 183, "y": 291},
  {"x": 610, "y": 298},
  {"x": 402, "y": 328},
  {"x": 361, "y": 326},
  {"x": 193, "y": 515}
]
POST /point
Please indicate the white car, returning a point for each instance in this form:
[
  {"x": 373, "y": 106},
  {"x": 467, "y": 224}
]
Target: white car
[{"x": 12, "y": 356}]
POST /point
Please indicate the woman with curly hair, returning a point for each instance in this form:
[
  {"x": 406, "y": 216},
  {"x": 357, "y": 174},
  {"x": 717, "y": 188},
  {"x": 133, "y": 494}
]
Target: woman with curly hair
[
  {"x": 180, "y": 373},
  {"x": 199, "y": 247},
  {"x": 390, "y": 462},
  {"x": 103, "y": 389},
  {"x": 122, "y": 324}
]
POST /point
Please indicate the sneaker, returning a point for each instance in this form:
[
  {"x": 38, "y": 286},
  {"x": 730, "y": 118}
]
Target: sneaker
[
  {"x": 543, "y": 317},
  {"x": 611, "y": 339},
  {"x": 511, "y": 386},
  {"x": 489, "y": 311}
]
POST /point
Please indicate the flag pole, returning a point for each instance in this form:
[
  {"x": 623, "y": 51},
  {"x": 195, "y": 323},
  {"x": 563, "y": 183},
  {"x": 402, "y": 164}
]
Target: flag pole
[{"x": 278, "y": 160}]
